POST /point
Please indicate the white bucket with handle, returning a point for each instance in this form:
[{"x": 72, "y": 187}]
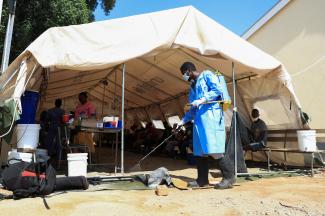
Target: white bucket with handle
[
  {"x": 307, "y": 140},
  {"x": 27, "y": 136},
  {"x": 77, "y": 164}
]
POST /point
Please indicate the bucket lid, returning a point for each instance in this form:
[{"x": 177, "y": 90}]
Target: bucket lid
[
  {"x": 29, "y": 125},
  {"x": 306, "y": 131},
  {"x": 78, "y": 155},
  {"x": 78, "y": 159}
]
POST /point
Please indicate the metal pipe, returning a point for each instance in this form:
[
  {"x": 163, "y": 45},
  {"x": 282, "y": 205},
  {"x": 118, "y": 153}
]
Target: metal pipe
[
  {"x": 115, "y": 91},
  {"x": 7, "y": 44},
  {"x": 235, "y": 115},
  {"x": 122, "y": 114},
  {"x": 10, "y": 27},
  {"x": 103, "y": 101},
  {"x": 1, "y": 3}
]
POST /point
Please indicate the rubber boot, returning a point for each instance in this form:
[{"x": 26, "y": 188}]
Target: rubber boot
[
  {"x": 228, "y": 177},
  {"x": 202, "y": 180}
]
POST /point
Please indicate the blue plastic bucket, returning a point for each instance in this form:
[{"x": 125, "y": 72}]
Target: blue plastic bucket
[{"x": 29, "y": 102}]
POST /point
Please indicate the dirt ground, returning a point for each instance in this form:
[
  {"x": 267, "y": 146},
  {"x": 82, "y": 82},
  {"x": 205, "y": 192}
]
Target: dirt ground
[{"x": 300, "y": 195}]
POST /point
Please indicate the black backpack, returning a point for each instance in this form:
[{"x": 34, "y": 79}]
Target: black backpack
[{"x": 29, "y": 179}]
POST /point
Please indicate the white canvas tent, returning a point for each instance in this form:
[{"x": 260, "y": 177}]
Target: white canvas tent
[{"x": 64, "y": 61}]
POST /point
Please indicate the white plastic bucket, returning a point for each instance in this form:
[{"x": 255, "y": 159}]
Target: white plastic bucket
[
  {"x": 77, "y": 164},
  {"x": 13, "y": 154},
  {"x": 27, "y": 135},
  {"x": 307, "y": 140}
]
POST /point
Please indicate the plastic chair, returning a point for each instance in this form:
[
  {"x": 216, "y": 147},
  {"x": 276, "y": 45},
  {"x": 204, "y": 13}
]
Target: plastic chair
[{"x": 65, "y": 144}]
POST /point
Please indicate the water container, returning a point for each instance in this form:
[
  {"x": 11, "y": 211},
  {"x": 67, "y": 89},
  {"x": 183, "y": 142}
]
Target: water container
[
  {"x": 77, "y": 164},
  {"x": 29, "y": 102},
  {"x": 119, "y": 124},
  {"x": 307, "y": 140},
  {"x": 27, "y": 136},
  {"x": 108, "y": 125}
]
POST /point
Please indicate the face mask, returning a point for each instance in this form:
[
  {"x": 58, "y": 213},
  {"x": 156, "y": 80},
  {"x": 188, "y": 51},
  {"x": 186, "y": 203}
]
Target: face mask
[
  {"x": 255, "y": 119},
  {"x": 186, "y": 77}
]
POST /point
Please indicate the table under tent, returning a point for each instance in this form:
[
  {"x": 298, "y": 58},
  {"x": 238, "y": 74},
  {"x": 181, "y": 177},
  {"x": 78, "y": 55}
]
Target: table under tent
[{"x": 139, "y": 57}]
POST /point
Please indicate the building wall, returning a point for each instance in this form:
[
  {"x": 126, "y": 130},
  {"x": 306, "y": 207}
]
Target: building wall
[{"x": 296, "y": 36}]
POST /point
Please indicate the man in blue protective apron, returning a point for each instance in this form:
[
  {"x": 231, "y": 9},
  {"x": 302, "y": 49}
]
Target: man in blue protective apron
[{"x": 209, "y": 136}]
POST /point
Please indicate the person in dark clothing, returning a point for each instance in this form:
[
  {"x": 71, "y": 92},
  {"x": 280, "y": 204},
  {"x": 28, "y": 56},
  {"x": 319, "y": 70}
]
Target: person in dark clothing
[
  {"x": 150, "y": 137},
  {"x": 55, "y": 121},
  {"x": 44, "y": 129},
  {"x": 258, "y": 132}
]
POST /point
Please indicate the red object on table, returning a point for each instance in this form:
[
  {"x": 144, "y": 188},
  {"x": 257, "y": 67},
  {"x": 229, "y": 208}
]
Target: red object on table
[
  {"x": 114, "y": 124},
  {"x": 65, "y": 118}
]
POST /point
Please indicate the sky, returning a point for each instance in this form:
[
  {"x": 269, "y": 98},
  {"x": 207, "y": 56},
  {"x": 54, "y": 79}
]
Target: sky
[{"x": 236, "y": 15}]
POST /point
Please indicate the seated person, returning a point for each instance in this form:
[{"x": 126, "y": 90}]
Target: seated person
[
  {"x": 139, "y": 138},
  {"x": 84, "y": 110},
  {"x": 178, "y": 143},
  {"x": 131, "y": 136},
  {"x": 55, "y": 122},
  {"x": 171, "y": 143},
  {"x": 150, "y": 137},
  {"x": 258, "y": 132}
]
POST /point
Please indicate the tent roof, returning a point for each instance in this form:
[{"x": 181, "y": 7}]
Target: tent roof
[
  {"x": 153, "y": 46},
  {"x": 104, "y": 44}
]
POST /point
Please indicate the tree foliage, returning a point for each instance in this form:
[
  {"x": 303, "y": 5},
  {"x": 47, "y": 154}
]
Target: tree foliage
[
  {"x": 33, "y": 17},
  {"x": 106, "y": 5}
]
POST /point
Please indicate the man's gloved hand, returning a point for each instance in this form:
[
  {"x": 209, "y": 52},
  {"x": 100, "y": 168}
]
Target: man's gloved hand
[
  {"x": 198, "y": 102},
  {"x": 180, "y": 124}
]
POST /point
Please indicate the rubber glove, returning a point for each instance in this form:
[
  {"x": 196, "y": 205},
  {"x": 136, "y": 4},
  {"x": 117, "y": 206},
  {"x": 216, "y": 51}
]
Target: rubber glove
[
  {"x": 180, "y": 124},
  {"x": 198, "y": 102}
]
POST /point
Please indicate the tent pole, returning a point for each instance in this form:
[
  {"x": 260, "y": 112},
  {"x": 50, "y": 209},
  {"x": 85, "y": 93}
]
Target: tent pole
[
  {"x": 122, "y": 132},
  {"x": 115, "y": 92},
  {"x": 104, "y": 94},
  {"x": 235, "y": 115}
]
